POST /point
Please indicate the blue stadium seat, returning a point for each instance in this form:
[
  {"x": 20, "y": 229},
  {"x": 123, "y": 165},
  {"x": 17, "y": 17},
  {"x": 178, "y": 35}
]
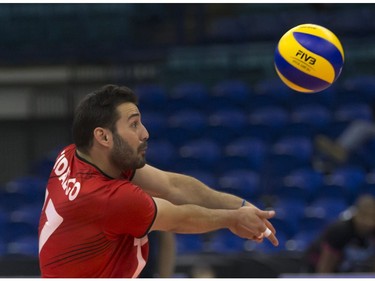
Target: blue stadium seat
[
  {"x": 276, "y": 167},
  {"x": 326, "y": 98},
  {"x": 155, "y": 123},
  {"x": 29, "y": 214},
  {"x": 189, "y": 244},
  {"x": 325, "y": 208},
  {"x": 301, "y": 240},
  {"x": 363, "y": 84},
  {"x": 275, "y": 89},
  {"x": 363, "y": 155},
  {"x": 302, "y": 184},
  {"x": 289, "y": 211},
  {"x": 344, "y": 182},
  {"x": 226, "y": 124},
  {"x": 246, "y": 153},
  {"x": 24, "y": 246},
  {"x": 42, "y": 168},
  {"x": 223, "y": 241},
  {"x": 313, "y": 116},
  {"x": 202, "y": 153},
  {"x": 243, "y": 183},
  {"x": 161, "y": 153},
  {"x": 185, "y": 125},
  {"x": 230, "y": 93},
  {"x": 290, "y": 206},
  {"x": 369, "y": 183},
  {"x": 16, "y": 230},
  {"x": 287, "y": 217},
  {"x": 12, "y": 201},
  {"x": 345, "y": 113},
  {"x": 28, "y": 189},
  {"x": 267, "y": 122},
  {"x": 193, "y": 95},
  {"x": 314, "y": 220},
  {"x": 298, "y": 147},
  {"x": 308, "y": 120},
  {"x": 351, "y": 111},
  {"x": 299, "y": 129},
  {"x": 275, "y": 116},
  {"x": 151, "y": 97},
  {"x": 22, "y": 191}
]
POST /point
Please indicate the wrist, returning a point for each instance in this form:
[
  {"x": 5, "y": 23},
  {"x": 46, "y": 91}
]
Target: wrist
[{"x": 243, "y": 203}]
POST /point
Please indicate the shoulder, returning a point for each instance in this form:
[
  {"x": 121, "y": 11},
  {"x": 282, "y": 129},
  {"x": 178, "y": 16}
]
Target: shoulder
[
  {"x": 152, "y": 180},
  {"x": 69, "y": 149},
  {"x": 126, "y": 191},
  {"x": 128, "y": 209}
]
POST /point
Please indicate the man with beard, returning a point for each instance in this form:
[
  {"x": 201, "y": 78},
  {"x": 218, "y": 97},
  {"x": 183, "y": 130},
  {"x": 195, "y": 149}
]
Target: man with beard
[{"x": 102, "y": 199}]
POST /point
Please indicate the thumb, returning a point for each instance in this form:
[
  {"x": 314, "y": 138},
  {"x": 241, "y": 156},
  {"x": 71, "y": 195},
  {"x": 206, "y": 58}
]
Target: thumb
[{"x": 265, "y": 214}]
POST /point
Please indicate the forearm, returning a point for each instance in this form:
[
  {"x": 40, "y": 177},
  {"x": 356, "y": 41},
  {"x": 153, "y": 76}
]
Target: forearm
[
  {"x": 245, "y": 222},
  {"x": 188, "y": 190},
  {"x": 190, "y": 218},
  {"x": 183, "y": 189}
]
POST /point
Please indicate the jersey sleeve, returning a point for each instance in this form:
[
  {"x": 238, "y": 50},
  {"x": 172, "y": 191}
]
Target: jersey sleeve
[{"x": 129, "y": 211}]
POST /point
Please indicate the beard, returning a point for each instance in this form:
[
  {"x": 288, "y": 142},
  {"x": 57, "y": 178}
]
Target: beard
[{"x": 124, "y": 156}]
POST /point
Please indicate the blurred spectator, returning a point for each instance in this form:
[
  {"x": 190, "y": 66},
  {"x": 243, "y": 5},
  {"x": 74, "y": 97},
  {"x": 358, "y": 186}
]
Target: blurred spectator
[
  {"x": 161, "y": 260},
  {"x": 347, "y": 245},
  {"x": 338, "y": 150}
]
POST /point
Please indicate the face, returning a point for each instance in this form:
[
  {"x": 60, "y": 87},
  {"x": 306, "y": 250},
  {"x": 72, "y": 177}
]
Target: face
[{"x": 130, "y": 140}]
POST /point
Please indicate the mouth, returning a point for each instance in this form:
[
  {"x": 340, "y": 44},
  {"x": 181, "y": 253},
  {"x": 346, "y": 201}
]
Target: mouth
[{"x": 142, "y": 149}]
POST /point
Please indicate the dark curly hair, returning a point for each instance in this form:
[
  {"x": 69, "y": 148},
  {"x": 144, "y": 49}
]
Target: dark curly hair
[{"x": 98, "y": 109}]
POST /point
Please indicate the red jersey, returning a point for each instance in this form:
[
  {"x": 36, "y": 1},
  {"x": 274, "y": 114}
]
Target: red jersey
[{"x": 91, "y": 224}]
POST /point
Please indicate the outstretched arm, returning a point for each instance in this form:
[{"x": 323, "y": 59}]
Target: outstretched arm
[
  {"x": 183, "y": 189},
  {"x": 245, "y": 222}
]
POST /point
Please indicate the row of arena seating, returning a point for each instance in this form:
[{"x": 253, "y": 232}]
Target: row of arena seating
[
  {"x": 294, "y": 216},
  {"x": 268, "y": 123},
  {"x": 240, "y": 94},
  {"x": 305, "y": 202},
  {"x": 255, "y": 153}
]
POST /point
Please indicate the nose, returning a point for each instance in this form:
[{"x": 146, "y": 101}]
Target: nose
[{"x": 144, "y": 133}]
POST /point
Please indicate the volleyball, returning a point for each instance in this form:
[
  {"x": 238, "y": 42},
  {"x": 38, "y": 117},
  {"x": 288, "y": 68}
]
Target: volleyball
[{"x": 309, "y": 58}]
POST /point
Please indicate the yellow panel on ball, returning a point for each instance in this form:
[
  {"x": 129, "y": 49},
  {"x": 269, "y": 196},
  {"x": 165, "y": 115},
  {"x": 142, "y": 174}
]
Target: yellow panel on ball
[{"x": 309, "y": 58}]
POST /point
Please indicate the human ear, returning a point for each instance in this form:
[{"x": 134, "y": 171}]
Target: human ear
[{"x": 101, "y": 136}]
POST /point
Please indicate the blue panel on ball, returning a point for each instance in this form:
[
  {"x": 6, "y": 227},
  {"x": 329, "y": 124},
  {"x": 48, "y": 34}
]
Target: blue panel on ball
[
  {"x": 298, "y": 77},
  {"x": 321, "y": 47}
]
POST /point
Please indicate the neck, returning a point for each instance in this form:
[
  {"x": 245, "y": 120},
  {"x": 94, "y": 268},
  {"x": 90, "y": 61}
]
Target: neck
[{"x": 101, "y": 162}]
